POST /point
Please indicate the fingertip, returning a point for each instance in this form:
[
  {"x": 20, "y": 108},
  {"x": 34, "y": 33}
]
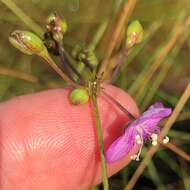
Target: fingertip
[{"x": 67, "y": 132}]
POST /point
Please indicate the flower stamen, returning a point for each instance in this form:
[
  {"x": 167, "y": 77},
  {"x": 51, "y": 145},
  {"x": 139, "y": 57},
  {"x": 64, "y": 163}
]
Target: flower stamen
[
  {"x": 139, "y": 140},
  {"x": 166, "y": 140},
  {"x": 154, "y": 138},
  {"x": 133, "y": 157}
]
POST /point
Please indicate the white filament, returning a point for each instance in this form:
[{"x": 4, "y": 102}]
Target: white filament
[{"x": 139, "y": 140}]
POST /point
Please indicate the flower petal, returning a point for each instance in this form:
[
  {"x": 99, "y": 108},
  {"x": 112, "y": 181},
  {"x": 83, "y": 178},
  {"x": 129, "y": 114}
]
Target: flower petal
[
  {"x": 144, "y": 126},
  {"x": 156, "y": 105},
  {"x": 121, "y": 146},
  {"x": 156, "y": 113}
]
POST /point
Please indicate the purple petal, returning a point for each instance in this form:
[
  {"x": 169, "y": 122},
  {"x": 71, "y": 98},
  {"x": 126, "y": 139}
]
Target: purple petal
[
  {"x": 156, "y": 113},
  {"x": 165, "y": 112},
  {"x": 145, "y": 126},
  {"x": 121, "y": 146},
  {"x": 156, "y": 105}
]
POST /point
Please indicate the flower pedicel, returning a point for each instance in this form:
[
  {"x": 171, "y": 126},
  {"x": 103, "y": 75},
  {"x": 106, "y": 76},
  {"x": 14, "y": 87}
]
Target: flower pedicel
[{"x": 138, "y": 132}]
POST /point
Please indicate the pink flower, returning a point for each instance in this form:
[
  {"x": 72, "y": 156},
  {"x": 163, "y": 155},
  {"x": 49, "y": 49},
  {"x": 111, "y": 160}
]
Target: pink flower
[{"x": 140, "y": 130}]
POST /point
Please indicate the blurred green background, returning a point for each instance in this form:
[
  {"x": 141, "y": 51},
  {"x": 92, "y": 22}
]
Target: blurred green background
[{"x": 161, "y": 20}]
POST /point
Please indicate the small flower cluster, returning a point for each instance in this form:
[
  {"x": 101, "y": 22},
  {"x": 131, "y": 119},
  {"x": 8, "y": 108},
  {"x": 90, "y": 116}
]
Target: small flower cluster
[{"x": 138, "y": 132}]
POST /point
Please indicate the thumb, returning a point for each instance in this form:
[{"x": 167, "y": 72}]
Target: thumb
[{"x": 47, "y": 143}]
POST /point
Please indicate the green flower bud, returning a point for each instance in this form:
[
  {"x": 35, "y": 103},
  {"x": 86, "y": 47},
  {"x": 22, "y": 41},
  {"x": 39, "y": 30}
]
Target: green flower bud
[
  {"x": 81, "y": 56},
  {"x": 79, "y": 96},
  {"x": 92, "y": 59},
  {"x": 27, "y": 42},
  {"x": 63, "y": 25},
  {"x": 57, "y": 26},
  {"x": 51, "y": 18},
  {"x": 76, "y": 50},
  {"x": 85, "y": 55},
  {"x": 134, "y": 34}
]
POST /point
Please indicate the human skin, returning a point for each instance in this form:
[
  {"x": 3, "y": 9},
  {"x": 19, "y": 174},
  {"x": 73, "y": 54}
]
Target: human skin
[{"x": 47, "y": 143}]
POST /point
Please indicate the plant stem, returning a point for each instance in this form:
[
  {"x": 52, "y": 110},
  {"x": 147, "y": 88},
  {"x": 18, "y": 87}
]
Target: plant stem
[
  {"x": 155, "y": 59},
  {"x": 26, "y": 19},
  {"x": 163, "y": 71},
  {"x": 184, "y": 116},
  {"x": 98, "y": 35},
  {"x": 119, "y": 105},
  {"x": 59, "y": 71},
  {"x": 100, "y": 137},
  {"x": 178, "y": 151},
  {"x": 123, "y": 15},
  {"x": 67, "y": 66},
  {"x": 18, "y": 74},
  {"x": 164, "y": 52},
  {"x": 65, "y": 61}
]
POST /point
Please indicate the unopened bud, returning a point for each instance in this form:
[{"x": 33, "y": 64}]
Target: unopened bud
[
  {"x": 76, "y": 50},
  {"x": 79, "y": 96},
  {"x": 57, "y": 26},
  {"x": 85, "y": 55},
  {"x": 92, "y": 59},
  {"x": 27, "y": 42},
  {"x": 51, "y": 18},
  {"x": 134, "y": 34}
]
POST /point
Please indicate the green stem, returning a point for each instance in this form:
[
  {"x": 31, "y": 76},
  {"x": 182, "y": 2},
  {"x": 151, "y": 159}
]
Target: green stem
[
  {"x": 100, "y": 140},
  {"x": 59, "y": 71},
  {"x": 26, "y": 19},
  {"x": 122, "y": 18},
  {"x": 69, "y": 64},
  {"x": 98, "y": 35}
]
